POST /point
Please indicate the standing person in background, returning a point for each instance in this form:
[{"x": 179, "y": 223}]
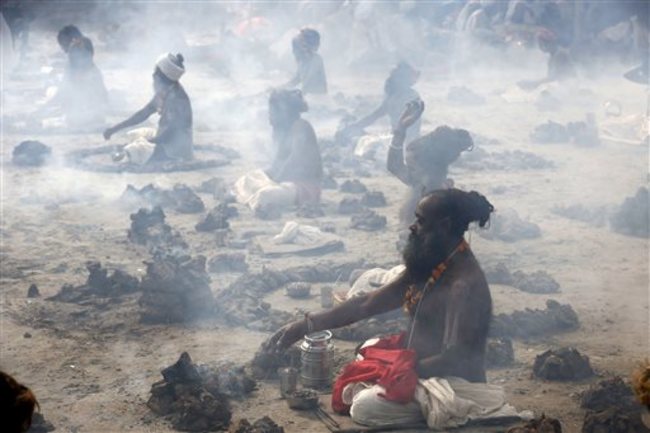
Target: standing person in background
[
  {"x": 311, "y": 71},
  {"x": 173, "y": 138}
]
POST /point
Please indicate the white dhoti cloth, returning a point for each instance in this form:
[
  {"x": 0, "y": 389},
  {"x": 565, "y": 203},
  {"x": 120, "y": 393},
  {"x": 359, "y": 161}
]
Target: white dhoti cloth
[
  {"x": 442, "y": 402},
  {"x": 260, "y": 192},
  {"x": 140, "y": 149}
]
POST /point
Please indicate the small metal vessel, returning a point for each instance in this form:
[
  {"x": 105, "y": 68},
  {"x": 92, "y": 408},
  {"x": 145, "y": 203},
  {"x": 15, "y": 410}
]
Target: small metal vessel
[{"x": 316, "y": 360}]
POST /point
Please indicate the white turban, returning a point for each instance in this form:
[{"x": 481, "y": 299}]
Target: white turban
[{"x": 170, "y": 69}]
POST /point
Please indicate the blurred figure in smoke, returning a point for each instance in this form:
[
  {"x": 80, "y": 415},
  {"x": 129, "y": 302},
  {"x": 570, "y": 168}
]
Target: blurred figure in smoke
[
  {"x": 7, "y": 47},
  {"x": 444, "y": 292},
  {"x": 425, "y": 164},
  {"x": 311, "y": 72},
  {"x": 560, "y": 63},
  {"x": 18, "y": 17},
  {"x": 398, "y": 91},
  {"x": 480, "y": 19},
  {"x": 17, "y": 403},
  {"x": 296, "y": 173},
  {"x": 641, "y": 74},
  {"x": 81, "y": 95},
  {"x": 173, "y": 139}
]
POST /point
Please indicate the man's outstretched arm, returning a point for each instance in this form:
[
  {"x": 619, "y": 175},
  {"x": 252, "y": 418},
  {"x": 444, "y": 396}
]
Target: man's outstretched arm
[{"x": 385, "y": 299}]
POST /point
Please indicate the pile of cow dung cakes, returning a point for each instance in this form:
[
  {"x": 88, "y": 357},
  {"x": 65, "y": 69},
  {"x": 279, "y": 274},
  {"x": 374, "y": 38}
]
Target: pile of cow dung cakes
[
  {"x": 175, "y": 289},
  {"x": 196, "y": 397},
  {"x": 612, "y": 407}
]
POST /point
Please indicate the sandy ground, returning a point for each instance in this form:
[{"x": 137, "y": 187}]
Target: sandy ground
[{"x": 92, "y": 370}]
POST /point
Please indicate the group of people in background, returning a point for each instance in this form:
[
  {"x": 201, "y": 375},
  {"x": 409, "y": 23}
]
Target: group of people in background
[{"x": 449, "y": 325}]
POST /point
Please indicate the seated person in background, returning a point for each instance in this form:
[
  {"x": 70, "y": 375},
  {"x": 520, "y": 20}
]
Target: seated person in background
[
  {"x": 17, "y": 403},
  {"x": 296, "y": 173},
  {"x": 173, "y": 139},
  {"x": 444, "y": 293},
  {"x": 398, "y": 91},
  {"x": 82, "y": 95},
  {"x": 311, "y": 72},
  {"x": 425, "y": 164},
  {"x": 560, "y": 64}
]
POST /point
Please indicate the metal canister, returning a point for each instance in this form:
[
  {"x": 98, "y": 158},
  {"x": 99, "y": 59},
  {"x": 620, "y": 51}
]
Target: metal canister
[
  {"x": 316, "y": 360},
  {"x": 288, "y": 380}
]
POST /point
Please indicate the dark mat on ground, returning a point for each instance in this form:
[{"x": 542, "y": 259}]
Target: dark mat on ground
[
  {"x": 82, "y": 159},
  {"x": 241, "y": 302}
]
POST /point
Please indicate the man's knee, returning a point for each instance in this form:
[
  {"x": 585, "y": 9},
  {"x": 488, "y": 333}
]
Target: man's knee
[{"x": 370, "y": 408}]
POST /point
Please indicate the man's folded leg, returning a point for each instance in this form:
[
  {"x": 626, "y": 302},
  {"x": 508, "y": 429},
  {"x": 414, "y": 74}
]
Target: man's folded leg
[{"x": 369, "y": 408}]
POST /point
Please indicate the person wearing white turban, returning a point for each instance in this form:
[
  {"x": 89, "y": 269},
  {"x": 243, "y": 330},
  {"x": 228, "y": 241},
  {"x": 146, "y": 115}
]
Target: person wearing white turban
[{"x": 173, "y": 138}]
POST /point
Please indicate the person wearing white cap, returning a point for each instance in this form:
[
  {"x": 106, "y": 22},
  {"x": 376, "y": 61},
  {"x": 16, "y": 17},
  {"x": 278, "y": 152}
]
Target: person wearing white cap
[
  {"x": 173, "y": 139},
  {"x": 311, "y": 72}
]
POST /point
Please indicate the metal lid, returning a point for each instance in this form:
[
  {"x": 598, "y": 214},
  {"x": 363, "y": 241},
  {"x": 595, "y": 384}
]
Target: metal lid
[{"x": 319, "y": 337}]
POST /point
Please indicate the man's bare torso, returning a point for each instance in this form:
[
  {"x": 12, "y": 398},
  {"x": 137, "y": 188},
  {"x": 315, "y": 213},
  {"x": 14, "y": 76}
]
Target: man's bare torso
[{"x": 454, "y": 317}]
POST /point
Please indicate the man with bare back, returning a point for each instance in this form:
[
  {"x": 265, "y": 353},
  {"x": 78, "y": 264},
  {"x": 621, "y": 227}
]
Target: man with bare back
[
  {"x": 445, "y": 294},
  {"x": 294, "y": 177},
  {"x": 423, "y": 164}
]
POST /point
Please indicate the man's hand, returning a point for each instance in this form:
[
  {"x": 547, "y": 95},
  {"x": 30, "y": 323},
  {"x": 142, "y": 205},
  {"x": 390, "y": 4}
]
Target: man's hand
[
  {"x": 107, "y": 134},
  {"x": 411, "y": 114},
  {"x": 286, "y": 336}
]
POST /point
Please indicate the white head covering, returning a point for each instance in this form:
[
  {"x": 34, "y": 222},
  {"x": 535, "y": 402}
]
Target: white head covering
[{"x": 170, "y": 69}]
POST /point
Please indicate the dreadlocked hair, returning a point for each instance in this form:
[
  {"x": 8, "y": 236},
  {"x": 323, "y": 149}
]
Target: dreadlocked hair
[
  {"x": 462, "y": 208},
  {"x": 19, "y": 403}
]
